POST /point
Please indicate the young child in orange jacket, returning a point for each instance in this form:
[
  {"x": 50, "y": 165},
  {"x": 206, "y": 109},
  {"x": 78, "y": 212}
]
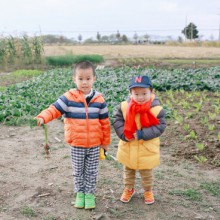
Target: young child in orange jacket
[
  {"x": 87, "y": 129},
  {"x": 138, "y": 123}
]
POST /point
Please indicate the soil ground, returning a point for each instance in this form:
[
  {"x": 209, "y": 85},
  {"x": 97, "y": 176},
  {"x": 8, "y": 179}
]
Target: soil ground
[
  {"x": 39, "y": 189},
  {"x": 33, "y": 187}
]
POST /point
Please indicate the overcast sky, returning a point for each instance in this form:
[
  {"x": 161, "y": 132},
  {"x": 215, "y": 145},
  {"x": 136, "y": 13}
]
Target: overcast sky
[{"x": 87, "y": 17}]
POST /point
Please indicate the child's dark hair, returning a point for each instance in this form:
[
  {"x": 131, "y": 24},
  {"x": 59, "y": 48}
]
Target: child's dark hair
[{"x": 84, "y": 65}]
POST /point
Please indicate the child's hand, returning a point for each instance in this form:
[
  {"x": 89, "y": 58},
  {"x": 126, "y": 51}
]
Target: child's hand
[
  {"x": 135, "y": 136},
  {"x": 40, "y": 121},
  {"x": 129, "y": 139},
  {"x": 104, "y": 147}
]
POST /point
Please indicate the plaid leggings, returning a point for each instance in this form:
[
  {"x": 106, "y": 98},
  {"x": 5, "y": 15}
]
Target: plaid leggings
[{"x": 85, "y": 163}]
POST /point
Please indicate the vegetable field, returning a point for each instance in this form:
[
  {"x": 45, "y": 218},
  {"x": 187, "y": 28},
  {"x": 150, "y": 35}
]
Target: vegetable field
[
  {"x": 190, "y": 97},
  {"x": 187, "y": 183},
  {"x": 24, "y": 100}
]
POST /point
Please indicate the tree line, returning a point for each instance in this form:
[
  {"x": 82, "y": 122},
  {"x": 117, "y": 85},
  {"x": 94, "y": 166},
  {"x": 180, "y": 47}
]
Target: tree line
[{"x": 190, "y": 32}]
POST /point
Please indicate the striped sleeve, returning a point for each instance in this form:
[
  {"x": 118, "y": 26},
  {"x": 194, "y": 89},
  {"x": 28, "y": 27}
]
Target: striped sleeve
[
  {"x": 55, "y": 110},
  {"x": 105, "y": 123},
  {"x": 61, "y": 104},
  {"x": 103, "y": 111},
  {"x": 49, "y": 114}
]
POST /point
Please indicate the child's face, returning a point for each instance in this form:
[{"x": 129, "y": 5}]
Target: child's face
[
  {"x": 84, "y": 80},
  {"x": 141, "y": 95}
]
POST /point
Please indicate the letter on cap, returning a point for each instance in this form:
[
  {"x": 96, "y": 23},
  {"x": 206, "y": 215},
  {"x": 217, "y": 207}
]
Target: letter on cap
[{"x": 138, "y": 79}]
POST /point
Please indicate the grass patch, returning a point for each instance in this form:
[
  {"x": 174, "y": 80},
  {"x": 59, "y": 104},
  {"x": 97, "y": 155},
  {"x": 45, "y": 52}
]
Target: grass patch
[
  {"x": 159, "y": 175},
  {"x": 68, "y": 60},
  {"x": 17, "y": 76},
  {"x": 49, "y": 217},
  {"x": 31, "y": 73},
  {"x": 213, "y": 187},
  {"x": 28, "y": 212},
  {"x": 191, "y": 61},
  {"x": 190, "y": 194},
  {"x": 14, "y": 121},
  {"x": 2, "y": 88},
  {"x": 151, "y": 62}
]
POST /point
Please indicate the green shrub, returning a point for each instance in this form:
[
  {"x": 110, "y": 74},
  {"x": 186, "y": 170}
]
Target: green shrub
[
  {"x": 28, "y": 212},
  {"x": 68, "y": 60}
]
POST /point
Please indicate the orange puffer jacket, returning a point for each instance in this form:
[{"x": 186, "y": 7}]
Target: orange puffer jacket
[{"x": 85, "y": 125}]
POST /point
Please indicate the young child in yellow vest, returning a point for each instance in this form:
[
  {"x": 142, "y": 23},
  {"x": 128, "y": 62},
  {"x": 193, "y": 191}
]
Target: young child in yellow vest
[{"x": 138, "y": 123}]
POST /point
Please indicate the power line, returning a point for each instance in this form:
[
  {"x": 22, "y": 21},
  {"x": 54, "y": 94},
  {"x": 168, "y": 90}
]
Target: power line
[
  {"x": 172, "y": 32},
  {"x": 107, "y": 31}
]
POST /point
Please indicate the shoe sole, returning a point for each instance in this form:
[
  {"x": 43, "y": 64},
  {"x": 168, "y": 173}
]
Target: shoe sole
[
  {"x": 149, "y": 203},
  {"x": 129, "y": 199},
  {"x": 79, "y": 207},
  {"x": 89, "y": 207}
]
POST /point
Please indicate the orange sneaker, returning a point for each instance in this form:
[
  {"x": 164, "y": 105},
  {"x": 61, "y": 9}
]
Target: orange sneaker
[
  {"x": 148, "y": 197},
  {"x": 127, "y": 195}
]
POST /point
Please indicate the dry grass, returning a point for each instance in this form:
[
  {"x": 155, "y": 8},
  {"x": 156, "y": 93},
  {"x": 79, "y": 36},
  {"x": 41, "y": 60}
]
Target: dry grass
[{"x": 146, "y": 51}]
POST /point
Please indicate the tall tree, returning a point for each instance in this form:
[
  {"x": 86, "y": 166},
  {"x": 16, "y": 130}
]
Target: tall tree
[
  {"x": 105, "y": 38},
  {"x": 190, "y": 31},
  {"x": 118, "y": 35},
  {"x": 135, "y": 37},
  {"x": 98, "y": 36},
  {"x": 124, "y": 38},
  {"x": 147, "y": 37},
  {"x": 80, "y": 38}
]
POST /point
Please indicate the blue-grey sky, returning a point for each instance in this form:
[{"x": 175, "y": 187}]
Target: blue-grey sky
[{"x": 87, "y": 17}]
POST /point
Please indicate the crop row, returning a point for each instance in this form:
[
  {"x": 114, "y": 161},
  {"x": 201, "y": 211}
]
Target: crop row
[
  {"x": 24, "y": 100},
  {"x": 21, "y": 51}
]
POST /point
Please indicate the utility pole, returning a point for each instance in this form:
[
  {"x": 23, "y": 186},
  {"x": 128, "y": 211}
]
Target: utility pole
[
  {"x": 185, "y": 28},
  {"x": 219, "y": 29}
]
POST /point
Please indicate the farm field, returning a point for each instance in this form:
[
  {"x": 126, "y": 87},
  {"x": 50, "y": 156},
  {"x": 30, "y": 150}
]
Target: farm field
[
  {"x": 145, "y": 55},
  {"x": 187, "y": 184},
  {"x": 144, "y": 51}
]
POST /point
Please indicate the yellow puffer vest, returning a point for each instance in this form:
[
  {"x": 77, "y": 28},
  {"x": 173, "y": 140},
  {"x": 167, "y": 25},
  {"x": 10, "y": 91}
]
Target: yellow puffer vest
[{"x": 139, "y": 154}]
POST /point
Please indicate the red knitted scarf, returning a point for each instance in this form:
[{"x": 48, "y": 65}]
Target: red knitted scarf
[{"x": 147, "y": 119}]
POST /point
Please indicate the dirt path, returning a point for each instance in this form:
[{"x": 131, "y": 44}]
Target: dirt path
[{"x": 43, "y": 189}]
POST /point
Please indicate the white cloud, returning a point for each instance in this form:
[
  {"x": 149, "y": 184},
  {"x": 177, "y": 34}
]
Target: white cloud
[
  {"x": 104, "y": 15},
  {"x": 168, "y": 7}
]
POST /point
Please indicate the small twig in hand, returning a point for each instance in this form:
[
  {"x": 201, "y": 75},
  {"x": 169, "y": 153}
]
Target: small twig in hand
[{"x": 46, "y": 146}]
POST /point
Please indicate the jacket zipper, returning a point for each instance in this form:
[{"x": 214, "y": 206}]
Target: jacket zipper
[
  {"x": 87, "y": 119},
  {"x": 87, "y": 122}
]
